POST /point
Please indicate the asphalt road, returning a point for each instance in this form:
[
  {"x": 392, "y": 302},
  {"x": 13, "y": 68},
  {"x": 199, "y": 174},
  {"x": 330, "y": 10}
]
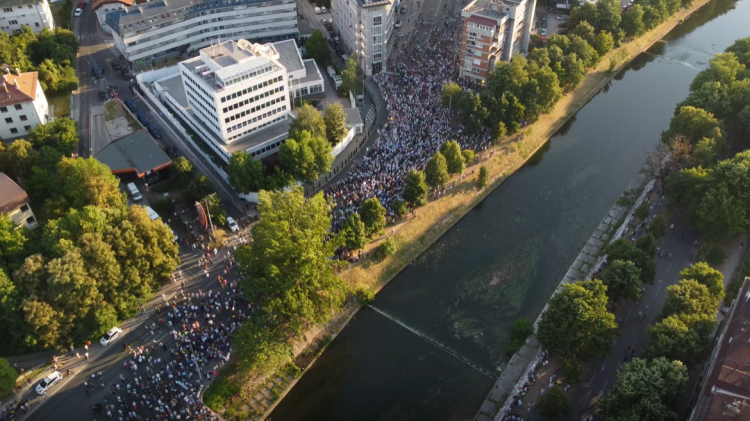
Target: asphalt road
[{"x": 68, "y": 400}]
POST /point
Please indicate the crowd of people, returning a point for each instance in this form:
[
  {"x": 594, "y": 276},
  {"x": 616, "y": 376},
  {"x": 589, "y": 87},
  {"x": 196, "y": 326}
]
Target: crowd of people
[{"x": 418, "y": 123}]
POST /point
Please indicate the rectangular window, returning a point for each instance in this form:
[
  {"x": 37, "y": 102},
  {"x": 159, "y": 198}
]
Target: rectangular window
[
  {"x": 27, "y": 128},
  {"x": 7, "y": 9},
  {"x": 14, "y": 130},
  {"x": 13, "y": 22},
  {"x": 30, "y": 220},
  {"x": 3, "y": 110},
  {"x": 25, "y": 208},
  {"x": 377, "y": 20},
  {"x": 23, "y": 117},
  {"x": 8, "y": 120}
]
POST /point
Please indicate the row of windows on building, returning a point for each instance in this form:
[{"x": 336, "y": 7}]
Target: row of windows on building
[
  {"x": 248, "y": 90},
  {"x": 203, "y": 110},
  {"x": 256, "y": 119},
  {"x": 196, "y": 87},
  {"x": 306, "y": 91},
  {"x": 255, "y": 129},
  {"x": 253, "y": 99},
  {"x": 255, "y": 109},
  {"x": 187, "y": 120},
  {"x": 17, "y": 107},
  {"x": 10, "y": 9},
  {"x": 269, "y": 147},
  {"x": 250, "y": 75}
]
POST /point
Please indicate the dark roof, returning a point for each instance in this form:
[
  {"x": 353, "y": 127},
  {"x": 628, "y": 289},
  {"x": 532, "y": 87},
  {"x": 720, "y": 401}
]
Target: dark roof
[
  {"x": 481, "y": 20},
  {"x": 136, "y": 153},
  {"x": 12, "y": 196}
]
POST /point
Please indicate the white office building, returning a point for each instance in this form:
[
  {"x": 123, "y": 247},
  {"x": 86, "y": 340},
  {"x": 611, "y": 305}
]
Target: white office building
[
  {"x": 366, "y": 27},
  {"x": 23, "y": 105},
  {"x": 36, "y": 14},
  {"x": 164, "y": 28}
]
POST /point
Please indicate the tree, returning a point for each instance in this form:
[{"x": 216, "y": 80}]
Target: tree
[
  {"x": 306, "y": 157},
  {"x": 309, "y": 119},
  {"x": 651, "y": 17},
  {"x": 705, "y": 152},
  {"x": 584, "y": 30},
  {"x": 644, "y": 390},
  {"x": 388, "y": 248},
  {"x": 704, "y": 274},
  {"x": 623, "y": 281},
  {"x": 574, "y": 70},
  {"x": 741, "y": 49},
  {"x": 12, "y": 242},
  {"x": 183, "y": 171},
  {"x": 693, "y": 123},
  {"x": 349, "y": 79},
  {"x": 436, "y": 171},
  {"x": 8, "y": 376},
  {"x": 399, "y": 208},
  {"x": 453, "y": 157},
  {"x": 608, "y": 16},
  {"x": 719, "y": 215},
  {"x": 451, "y": 94},
  {"x": 522, "y": 329},
  {"x": 82, "y": 182},
  {"x": 334, "y": 119},
  {"x": 373, "y": 216},
  {"x": 632, "y": 21},
  {"x": 198, "y": 189},
  {"x": 61, "y": 134},
  {"x": 354, "y": 232},
  {"x": 415, "y": 188},
  {"x": 555, "y": 405},
  {"x": 472, "y": 113},
  {"x": 287, "y": 271},
  {"x": 689, "y": 297},
  {"x": 681, "y": 337},
  {"x": 317, "y": 48},
  {"x": 623, "y": 249},
  {"x": 577, "y": 324},
  {"x": 603, "y": 42},
  {"x": 17, "y": 159},
  {"x": 584, "y": 13},
  {"x": 468, "y": 155},
  {"x": 483, "y": 179},
  {"x": 647, "y": 243},
  {"x": 658, "y": 226}
]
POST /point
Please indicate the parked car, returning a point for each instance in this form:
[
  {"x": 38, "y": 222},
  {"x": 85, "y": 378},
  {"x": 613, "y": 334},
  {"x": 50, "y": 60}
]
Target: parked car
[
  {"x": 317, "y": 10},
  {"x": 96, "y": 71},
  {"x": 171, "y": 151},
  {"x": 78, "y": 12},
  {"x": 48, "y": 381},
  {"x": 131, "y": 105},
  {"x": 562, "y": 25},
  {"x": 232, "y": 224},
  {"x": 322, "y": 9},
  {"x": 154, "y": 130},
  {"x": 544, "y": 31},
  {"x": 398, "y": 24},
  {"x": 563, "y": 17},
  {"x": 110, "y": 336},
  {"x": 562, "y": 31},
  {"x": 403, "y": 10},
  {"x": 103, "y": 95},
  {"x": 324, "y": 21},
  {"x": 81, "y": 5},
  {"x": 142, "y": 118},
  {"x": 116, "y": 65},
  {"x": 126, "y": 74}
]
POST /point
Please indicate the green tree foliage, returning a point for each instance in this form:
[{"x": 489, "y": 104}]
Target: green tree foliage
[
  {"x": 483, "y": 179},
  {"x": 555, "y": 405},
  {"x": 399, "y": 208},
  {"x": 373, "y": 216},
  {"x": 706, "y": 152},
  {"x": 8, "y": 376},
  {"x": 261, "y": 348},
  {"x": 603, "y": 42},
  {"x": 12, "y": 241},
  {"x": 306, "y": 157},
  {"x": 693, "y": 123},
  {"x": 645, "y": 390},
  {"x": 647, "y": 243},
  {"x": 308, "y": 119},
  {"x": 287, "y": 272},
  {"x": 608, "y": 16},
  {"x": 349, "y": 79},
  {"x": 522, "y": 329},
  {"x": 216, "y": 210},
  {"x": 334, "y": 119},
  {"x": 689, "y": 297},
  {"x": 82, "y": 182},
  {"x": 632, "y": 21},
  {"x": 61, "y": 134},
  {"x": 17, "y": 159},
  {"x": 681, "y": 337},
  {"x": 354, "y": 232},
  {"x": 454, "y": 157},
  {"x": 624, "y": 250},
  {"x": 573, "y": 71},
  {"x": 246, "y": 174},
  {"x": 317, "y": 48},
  {"x": 471, "y": 112},
  {"x": 741, "y": 50},
  {"x": 198, "y": 189},
  {"x": 704, "y": 274},
  {"x": 415, "y": 188},
  {"x": 436, "y": 171},
  {"x": 584, "y": 13},
  {"x": 577, "y": 324},
  {"x": 658, "y": 226},
  {"x": 388, "y": 248},
  {"x": 623, "y": 281},
  {"x": 182, "y": 172},
  {"x": 642, "y": 211},
  {"x": 468, "y": 156},
  {"x": 451, "y": 95}
]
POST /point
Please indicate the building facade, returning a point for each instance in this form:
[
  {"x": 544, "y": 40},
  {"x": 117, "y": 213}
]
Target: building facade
[
  {"x": 34, "y": 13},
  {"x": 161, "y": 29},
  {"x": 14, "y": 202},
  {"x": 366, "y": 28},
  {"x": 23, "y": 105},
  {"x": 492, "y": 31},
  {"x": 104, "y": 7}
]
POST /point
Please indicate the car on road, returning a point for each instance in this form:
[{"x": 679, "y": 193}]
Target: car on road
[
  {"x": 322, "y": 9},
  {"x": 232, "y": 224},
  {"x": 154, "y": 130},
  {"x": 116, "y": 65},
  {"x": 78, "y": 12},
  {"x": 398, "y": 24},
  {"x": 544, "y": 31},
  {"x": 563, "y": 17},
  {"x": 403, "y": 10},
  {"x": 544, "y": 39},
  {"x": 324, "y": 21},
  {"x": 110, "y": 336},
  {"x": 142, "y": 118},
  {"x": 81, "y": 5},
  {"x": 171, "y": 151},
  {"x": 96, "y": 71},
  {"x": 103, "y": 95},
  {"x": 317, "y": 10},
  {"x": 562, "y": 25},
  {"x": 126, "y": 74},
  {"x": 131, "y": 105},
  {"x": 48, "y": 381}
]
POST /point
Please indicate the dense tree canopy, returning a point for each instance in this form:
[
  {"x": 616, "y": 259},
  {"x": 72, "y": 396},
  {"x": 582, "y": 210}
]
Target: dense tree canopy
[
  {"x": 353, "y": 232},
  {"x": 349, "y": 80},
  {"x": 436, "y": 171},
  {"x": 577, "y": 324},
  {"x": 373, "y": 216},
  {"x": 334, "y": 119},
  {"x": 689, "y": 297},
  {"x": 704, "y": 274},
  {"x": 308, "y": 119},
  {"x": 8, "y": 376},
  {"x": 625, "y": 250},
  {"x": 555, "y": 405},
  {"x": 415, "y": 190},
  {"x": 306, "y": 157},
  {"x": 317, "y": 48},
  {"x": 623, "y": 281},
  {"x": 681, "y": 337}
]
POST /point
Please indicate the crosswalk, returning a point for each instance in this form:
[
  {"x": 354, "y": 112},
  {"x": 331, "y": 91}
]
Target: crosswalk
[
  {"x": 372, "y": 113},
  {"x": 86, "y": 36}
]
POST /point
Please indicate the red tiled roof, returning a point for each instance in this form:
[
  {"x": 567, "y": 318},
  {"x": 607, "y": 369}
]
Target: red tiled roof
[
  {"x": 17, "y": 89},
  {"x": 12, "y": 196},
  {"x": 99, "y": 3}
]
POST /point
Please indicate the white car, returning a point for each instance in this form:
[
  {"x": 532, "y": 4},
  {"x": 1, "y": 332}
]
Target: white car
[
  {"x": 48, "y": 381},
  {"x": 563, "y": 17},
  {"x": 78, "y": 12},
  {"x": 322, "y": 9},
  {"x": 398, "y": 24},
  {"x": 110, "y": 336},
  {"x": 231, "y": 224}
]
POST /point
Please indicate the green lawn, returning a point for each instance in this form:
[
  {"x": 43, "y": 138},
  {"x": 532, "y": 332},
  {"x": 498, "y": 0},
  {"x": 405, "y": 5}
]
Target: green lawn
[{"x": 61, "y": 104}]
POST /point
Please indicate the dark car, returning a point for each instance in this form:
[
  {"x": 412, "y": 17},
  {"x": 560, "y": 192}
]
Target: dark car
[
  {"x": 103, "y": 95},
  {"x": 562, "y": 25},
  {"x": 562, "y": 31},
  {"x": 126, "y": 74},
  {"x": 97, "y": 71},
  {"x": 116, "y": 65},
  {"x": 142, "y": 118},
  {"x": 403, "y": 10},
  {"x": 154, "y": 130},
  {"x": 171, "y": 151},
  {"x": 131, "y": 105}
]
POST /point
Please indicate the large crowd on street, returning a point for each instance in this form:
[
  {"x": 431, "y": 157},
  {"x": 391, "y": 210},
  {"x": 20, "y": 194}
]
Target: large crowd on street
[{"x": 418, "y": 123}]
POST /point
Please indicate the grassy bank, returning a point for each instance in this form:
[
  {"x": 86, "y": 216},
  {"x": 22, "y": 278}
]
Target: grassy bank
[{"x": 414, "y": 235}]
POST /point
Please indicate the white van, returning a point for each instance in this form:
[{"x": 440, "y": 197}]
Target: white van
[
  {"x": 152, "y": 213},
  {"x": 134, "y": 193},
  {"x": 317, "y": 10}
]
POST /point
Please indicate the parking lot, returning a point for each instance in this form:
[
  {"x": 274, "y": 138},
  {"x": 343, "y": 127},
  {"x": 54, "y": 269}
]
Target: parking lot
[{"x": 556, "y": 21}]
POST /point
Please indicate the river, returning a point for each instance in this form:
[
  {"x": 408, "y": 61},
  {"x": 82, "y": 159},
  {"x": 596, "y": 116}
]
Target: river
[{"x": 435, "y": 337}]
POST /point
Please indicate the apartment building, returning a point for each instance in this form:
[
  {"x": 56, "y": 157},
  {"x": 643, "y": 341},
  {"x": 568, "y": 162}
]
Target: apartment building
[
  {"x": 365, "y": 27},
  {"x": 164, "y": 28},
  {"x": 23, "y": 105},
  {"x": 493, "y": 30},
  {"x": 34, "y": 13},
  {"x": 14, "y": 202},
  {"x": 104, "y": 7}
]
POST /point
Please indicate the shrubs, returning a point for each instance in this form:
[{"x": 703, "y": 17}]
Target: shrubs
[
  {"x": 388, "y": 248},
  {"x": 522, "y": 329},
  {"x": 364, "y": 295},
  {"x": 483, "y": 179}
]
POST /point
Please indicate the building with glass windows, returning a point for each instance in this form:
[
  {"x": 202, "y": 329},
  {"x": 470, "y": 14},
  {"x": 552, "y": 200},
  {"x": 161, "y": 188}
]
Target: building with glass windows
[
  {"x": 366, "y": 27},
  {"x": 36, "y": 14}
]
